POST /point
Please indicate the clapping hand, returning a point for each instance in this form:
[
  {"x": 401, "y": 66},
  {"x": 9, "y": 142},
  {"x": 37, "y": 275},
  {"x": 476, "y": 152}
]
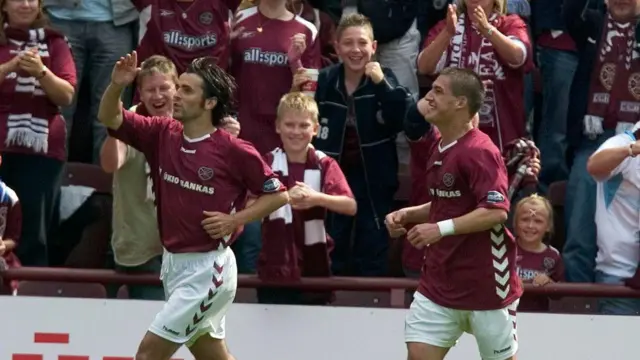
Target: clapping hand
[
  {"x": 3, "y": 247},
  {"x": 302, "y": 196},
  {"x": 479, "y": 20},
  {"x": 30, "y": 62},
  {"x": 126, "y": 70},
  {"x": 452, "y": 19}
]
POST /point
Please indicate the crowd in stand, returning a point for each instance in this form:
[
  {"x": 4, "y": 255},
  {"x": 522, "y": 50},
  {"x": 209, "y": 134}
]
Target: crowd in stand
[{"x": 563, "y": 98}]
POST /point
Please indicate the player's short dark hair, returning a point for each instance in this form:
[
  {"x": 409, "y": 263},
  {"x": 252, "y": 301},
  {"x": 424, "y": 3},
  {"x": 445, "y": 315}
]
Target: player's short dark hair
[
  {"x": 216, "y": 84},
  {"x": 466, "y": 83}
]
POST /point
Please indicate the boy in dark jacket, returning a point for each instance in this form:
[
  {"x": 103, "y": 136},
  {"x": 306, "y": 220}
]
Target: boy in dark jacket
[{"x": 361, "y": 110}]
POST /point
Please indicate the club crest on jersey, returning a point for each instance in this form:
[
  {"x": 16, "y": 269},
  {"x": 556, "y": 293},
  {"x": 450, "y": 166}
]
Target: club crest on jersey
[
  {"x": 448, "y": 180},
  {"x": 494, "y": 197},
  {"x": 205, "y": 173},
  {"x": 205, "y": 18},
  {"x": 271, "y": 185},
  {"x": 548, "y": 263}
]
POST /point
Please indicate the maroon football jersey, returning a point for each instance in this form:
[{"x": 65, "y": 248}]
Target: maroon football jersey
[
  {"x": 194, "y": 175},
  {"x": 531, "y": 264},
  {"x": 260, "y": 65},
  {"x": 474, "y": 271},
  {"x": 183, "y": 30}
]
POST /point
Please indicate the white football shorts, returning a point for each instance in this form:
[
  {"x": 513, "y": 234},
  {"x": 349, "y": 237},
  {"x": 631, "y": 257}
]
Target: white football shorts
[
  {"x": 494, "y": 330},
  {"x": 199, "y": 287}
]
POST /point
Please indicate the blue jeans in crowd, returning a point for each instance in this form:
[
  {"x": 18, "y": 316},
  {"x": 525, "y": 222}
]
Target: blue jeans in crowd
[
  {"x": 580, "y": 248},
  {"x": 247, "y": 248},
  {"x": 557, "y": 68},
  {"x": 616, "y": 306}
]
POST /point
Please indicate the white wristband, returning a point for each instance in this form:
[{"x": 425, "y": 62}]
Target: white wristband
[{"x": 446, "y": 227}]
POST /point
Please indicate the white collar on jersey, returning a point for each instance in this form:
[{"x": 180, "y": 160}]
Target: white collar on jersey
[{"x": 443, "y": 149}]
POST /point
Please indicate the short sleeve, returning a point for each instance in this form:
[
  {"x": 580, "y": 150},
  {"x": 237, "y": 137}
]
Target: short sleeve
[
  {"x": 335, "y": 183},
  {"x": 141, "y": 4},
  {"x": 627, "y": 166},
  {"x": 256, "y": 175},
  {"x": 516, "y": 29},
  {"x": 141, "y": 132},
  {"x": 488, "y": 179},
  {"x": 62, "y": 63}
]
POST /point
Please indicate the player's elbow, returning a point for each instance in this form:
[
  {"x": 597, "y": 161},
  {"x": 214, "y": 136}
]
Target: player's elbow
[
  {"x": 351, "y": 207},
  {"x": 595, "y": 170}
]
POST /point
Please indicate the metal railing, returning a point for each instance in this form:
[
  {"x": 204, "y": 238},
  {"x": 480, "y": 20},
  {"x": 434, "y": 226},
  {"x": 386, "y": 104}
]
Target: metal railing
[{"x": 397, "y": 287}]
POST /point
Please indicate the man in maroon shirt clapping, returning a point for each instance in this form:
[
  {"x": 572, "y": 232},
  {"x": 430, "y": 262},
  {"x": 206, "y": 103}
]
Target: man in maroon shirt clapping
[{"x": 198, "y": 185}]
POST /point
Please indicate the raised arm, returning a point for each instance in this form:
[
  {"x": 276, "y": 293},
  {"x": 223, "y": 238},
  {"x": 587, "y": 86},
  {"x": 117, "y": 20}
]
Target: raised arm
[{"x": 124, "y": 73}]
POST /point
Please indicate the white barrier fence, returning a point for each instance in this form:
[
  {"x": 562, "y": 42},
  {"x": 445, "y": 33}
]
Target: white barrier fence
[{"x": 87, "y": 329}]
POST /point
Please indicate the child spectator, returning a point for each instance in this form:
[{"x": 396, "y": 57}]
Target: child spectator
[
  {"x": 10, "y": 229},
  {"x": 537, "y": 262},
  {"x": 295, "y": 242}
]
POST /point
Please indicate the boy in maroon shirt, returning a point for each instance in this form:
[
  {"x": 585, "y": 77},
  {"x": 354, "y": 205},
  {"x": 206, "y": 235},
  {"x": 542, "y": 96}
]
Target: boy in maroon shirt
[
  {"x": 198, "y": 186},
  {"x": 294, "y": 240}
]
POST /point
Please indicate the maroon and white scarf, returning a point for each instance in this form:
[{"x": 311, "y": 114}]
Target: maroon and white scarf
[
  {"x": 286, "y": 254},
  {"x": 469, "y": 49},
  {"x": 615, "y": 81},
  {"x": 28, "y": 120}
]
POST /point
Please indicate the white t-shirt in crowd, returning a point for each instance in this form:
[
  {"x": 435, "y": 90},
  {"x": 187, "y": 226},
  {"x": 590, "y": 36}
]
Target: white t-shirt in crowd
[{"x": 618, "y": 213}]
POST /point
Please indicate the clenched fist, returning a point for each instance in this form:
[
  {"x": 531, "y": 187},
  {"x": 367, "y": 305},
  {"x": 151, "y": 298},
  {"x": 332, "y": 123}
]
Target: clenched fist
[{"x": 374, "y": 72}]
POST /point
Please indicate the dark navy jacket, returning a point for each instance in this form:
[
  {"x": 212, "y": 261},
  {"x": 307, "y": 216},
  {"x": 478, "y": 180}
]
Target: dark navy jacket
[{"x": 380, "y": 110}]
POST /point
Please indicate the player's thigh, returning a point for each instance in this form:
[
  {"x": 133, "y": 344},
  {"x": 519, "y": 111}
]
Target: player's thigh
[
  {"x": 496, "y": 332},
  {"x": 154, "y": 347},
  {"x": 430, "y": 329}
]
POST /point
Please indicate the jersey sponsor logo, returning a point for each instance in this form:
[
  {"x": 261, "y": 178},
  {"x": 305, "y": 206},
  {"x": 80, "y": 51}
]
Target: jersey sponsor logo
[
  {"x": 528, "y": 274},
  {"x": 165, "y": 13},
  {"x": 494, "y": 197},
  {"x": 270, "y": 58},
  {"x": 445, "y": 193},
  {"x": 190, "y": 42},
  {"x": 172, "y": 179},
  {"x": 271, "y": 185}
]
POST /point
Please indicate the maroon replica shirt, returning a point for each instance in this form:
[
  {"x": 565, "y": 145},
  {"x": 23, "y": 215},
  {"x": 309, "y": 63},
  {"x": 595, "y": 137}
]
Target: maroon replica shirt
[
  {"x": 60, "y": 62},
  {"x": 194, "y": 175},
  {"x": 184, "y": 30},
  {"x": 474, "y": 271},
  {"x": 531, "y": 264},
  {"x": 260, "y": 65}
]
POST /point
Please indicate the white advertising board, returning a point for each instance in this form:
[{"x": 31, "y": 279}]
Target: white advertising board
[{"x": 86, "y": 329}]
